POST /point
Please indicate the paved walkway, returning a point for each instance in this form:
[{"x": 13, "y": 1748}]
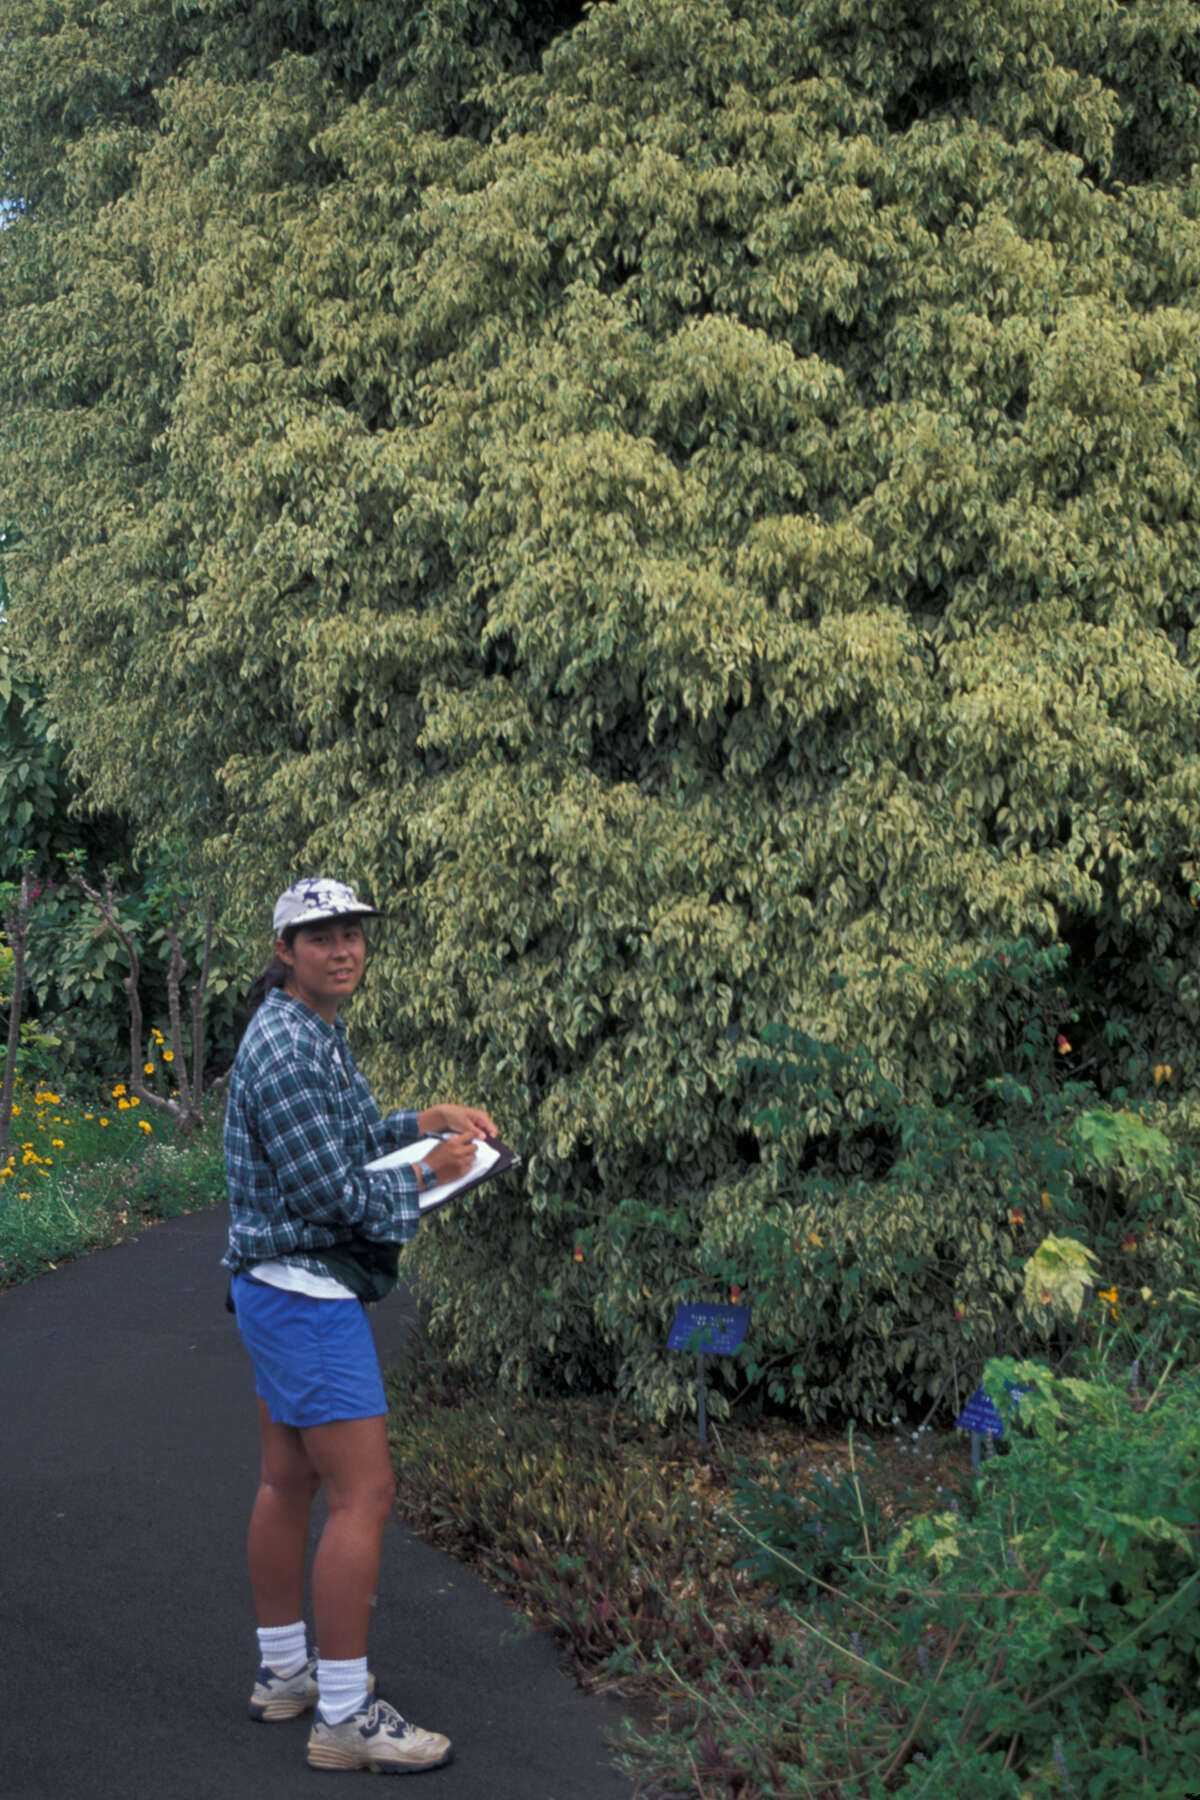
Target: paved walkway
[{"x": 127, "y": 1653}]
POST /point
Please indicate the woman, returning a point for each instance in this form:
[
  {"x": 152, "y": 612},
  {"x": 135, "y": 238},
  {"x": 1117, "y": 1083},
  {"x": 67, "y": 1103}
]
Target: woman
[{"x": 315, "y": 1231}]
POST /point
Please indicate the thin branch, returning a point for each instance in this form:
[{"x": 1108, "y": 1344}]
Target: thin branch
[
  {"x": 15, "y": 922},
  {"x": 199, "y": 994},
  {"x": 174, "y": 978}
]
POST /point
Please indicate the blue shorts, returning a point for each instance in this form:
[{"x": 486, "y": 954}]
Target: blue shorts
[{"x": 314, "y": 1360}]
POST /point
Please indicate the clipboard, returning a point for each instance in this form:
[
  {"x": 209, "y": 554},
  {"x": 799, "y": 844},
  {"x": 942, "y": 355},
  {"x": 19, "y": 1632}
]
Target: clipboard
[{"x": 491, "y": 1158}]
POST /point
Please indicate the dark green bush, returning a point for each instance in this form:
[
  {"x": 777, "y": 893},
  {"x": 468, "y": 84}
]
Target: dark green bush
[
  {"x": 1046, "y": 1642},
  {"x": 884, "y": 1238}
]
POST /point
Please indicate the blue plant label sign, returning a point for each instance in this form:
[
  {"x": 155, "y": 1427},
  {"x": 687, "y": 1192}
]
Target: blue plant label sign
[
  {"x": 980, "y": 1413},
  {"x": 709, "y": 1330}
]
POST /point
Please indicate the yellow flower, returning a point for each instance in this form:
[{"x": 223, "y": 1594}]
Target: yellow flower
[
  {"x": 122, "y": 1106},
  {"x": 1110, "y": 1296},
  {"x": 134, "y": 1101},
  {"x": 168, "y": 1056},
  {"x": 104, "y": 1121},
  {"x": 145, "y": 1125},
  {"x": 24, "y": 1194},
  {"x": 148, "y": 1068},
  {"x": 118, "y": 1090},
  {"x": 157, "y": 1036},
  {"x": 57, "y": 1144},
  {"x": 89, "y": 1115}
]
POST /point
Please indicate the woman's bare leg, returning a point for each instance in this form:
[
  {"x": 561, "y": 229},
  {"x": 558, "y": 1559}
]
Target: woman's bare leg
[
  {"x": 352, "y": 1460},
  {"x": 278, "y": 1537}
]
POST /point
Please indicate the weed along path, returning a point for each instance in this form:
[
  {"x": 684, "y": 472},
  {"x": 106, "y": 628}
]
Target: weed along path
[{"x": 128, "y": 1464}]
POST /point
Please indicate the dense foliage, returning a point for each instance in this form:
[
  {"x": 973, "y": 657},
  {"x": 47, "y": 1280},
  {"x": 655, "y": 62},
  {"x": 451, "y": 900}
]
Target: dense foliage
[
  {"x": 1041, "y": 1640},
  {"x": 700, "y": 518}
]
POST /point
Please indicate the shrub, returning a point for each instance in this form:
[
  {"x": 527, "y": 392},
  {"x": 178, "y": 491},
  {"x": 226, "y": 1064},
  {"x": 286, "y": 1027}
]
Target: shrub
[
  {"x": 700, "y": 522},
  {"x": 1046, "y": 1641}
]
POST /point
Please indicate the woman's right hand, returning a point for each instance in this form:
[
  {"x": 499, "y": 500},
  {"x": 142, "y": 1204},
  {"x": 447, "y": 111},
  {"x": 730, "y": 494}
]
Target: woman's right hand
[{"x": 454, "y": 1156}]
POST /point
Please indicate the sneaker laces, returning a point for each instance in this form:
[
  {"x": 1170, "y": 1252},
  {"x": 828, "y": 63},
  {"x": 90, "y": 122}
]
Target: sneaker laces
[{"x": 382, "y": 1716}]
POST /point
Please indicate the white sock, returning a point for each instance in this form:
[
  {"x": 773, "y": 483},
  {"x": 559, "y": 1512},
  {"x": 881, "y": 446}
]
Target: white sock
[
  {"x": 342, "y": 1687},
  {"x": 283, "y": 1648}
]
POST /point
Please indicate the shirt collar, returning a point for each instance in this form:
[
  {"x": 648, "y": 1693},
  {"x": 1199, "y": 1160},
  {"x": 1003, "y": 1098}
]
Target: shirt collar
[{"x": 278, "y": 997}]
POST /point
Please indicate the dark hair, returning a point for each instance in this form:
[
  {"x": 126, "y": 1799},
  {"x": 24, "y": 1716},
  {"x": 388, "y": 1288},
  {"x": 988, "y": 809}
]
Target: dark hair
[{"x": 274, "y": 975}]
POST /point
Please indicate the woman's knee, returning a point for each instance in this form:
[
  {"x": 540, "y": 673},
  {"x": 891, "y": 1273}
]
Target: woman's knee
[
  {"x": 290, "y": 1485},
  {"x": 353, "y": 1459},
  {"x": 371, "y": 1496}
]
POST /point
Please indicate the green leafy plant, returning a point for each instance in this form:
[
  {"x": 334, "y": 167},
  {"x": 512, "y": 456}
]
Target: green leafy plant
[
  {"x": 695, "y": 514},
  {"x": 803, "y": 1542},
  {"x": 1044, "y": 1641},
  {"x": 891, "y": 1244},
  {"x": 83, "y": 1175}
]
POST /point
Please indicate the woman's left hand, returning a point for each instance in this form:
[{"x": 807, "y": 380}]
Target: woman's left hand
[{"x": 457, "y": 1118}]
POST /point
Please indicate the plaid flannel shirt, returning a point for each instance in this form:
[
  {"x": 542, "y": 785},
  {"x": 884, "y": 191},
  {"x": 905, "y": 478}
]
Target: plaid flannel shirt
[{"x": 299, "y": 1125}]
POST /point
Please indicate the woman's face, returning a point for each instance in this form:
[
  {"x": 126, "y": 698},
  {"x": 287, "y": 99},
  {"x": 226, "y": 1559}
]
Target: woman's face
[{"x": 325, "y": 963}]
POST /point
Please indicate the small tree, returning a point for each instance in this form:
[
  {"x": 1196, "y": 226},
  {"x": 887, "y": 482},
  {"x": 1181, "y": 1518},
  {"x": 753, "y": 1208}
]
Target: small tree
[{"x": 184, "y": 1109}]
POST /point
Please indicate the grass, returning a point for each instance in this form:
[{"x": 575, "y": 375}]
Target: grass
[{"x": 82, "y": 1175}]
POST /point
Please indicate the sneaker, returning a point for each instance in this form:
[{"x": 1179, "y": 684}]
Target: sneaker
[
  {"x": 286, "y": 1696},
  {"x": 376, "y": 1738}
]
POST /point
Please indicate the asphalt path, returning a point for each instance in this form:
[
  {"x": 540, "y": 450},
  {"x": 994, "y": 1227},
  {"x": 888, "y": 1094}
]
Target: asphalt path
[{"x": 128, "y": 1463}]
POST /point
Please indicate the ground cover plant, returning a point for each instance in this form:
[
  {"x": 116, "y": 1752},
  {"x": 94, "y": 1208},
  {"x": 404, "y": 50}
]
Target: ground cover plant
[
  {"x": 82, "y": 1175},
  {"x": 795, "y": 1617},
  {"x": 641, "y": 1552},
  {"x": 1041, "y": 1641}
]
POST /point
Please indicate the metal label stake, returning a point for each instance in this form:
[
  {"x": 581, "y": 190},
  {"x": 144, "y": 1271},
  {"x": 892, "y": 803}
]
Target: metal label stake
[{"x": 708, "y": 1331}]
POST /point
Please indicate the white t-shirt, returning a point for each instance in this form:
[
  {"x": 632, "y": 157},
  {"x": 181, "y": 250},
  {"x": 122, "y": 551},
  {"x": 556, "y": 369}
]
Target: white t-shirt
[{"x": 296, "y": 1280}]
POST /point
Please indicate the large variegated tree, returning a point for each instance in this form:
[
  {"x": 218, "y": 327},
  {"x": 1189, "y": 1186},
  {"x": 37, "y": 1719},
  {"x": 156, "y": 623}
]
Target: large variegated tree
[{"x": 698, "y": 513}]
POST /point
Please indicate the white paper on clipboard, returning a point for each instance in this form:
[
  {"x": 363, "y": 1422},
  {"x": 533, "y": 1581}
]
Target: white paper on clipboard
[{"x": 490, "y": 1157}]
